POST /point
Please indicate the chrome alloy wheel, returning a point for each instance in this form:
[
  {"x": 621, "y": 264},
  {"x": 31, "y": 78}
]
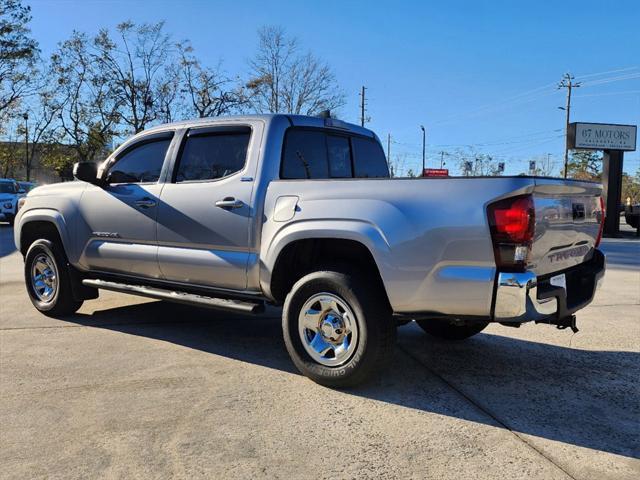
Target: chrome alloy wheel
[
  {"x": 44, "y": 277},
  {"x": 328, "y": 329}
]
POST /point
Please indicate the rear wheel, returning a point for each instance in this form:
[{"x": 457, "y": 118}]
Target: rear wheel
[
  {"x": 447, "y": 330},
  {"x": 337, "y": 328},
  {"x": 47, "y": 279}
]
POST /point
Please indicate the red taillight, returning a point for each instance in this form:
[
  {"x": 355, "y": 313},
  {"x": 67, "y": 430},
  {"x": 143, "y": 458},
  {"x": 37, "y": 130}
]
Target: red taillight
[
  {"x": 512, "y": 224},
  {"x": 513, "y": 219},
  {"x": 602, "y": 217}
]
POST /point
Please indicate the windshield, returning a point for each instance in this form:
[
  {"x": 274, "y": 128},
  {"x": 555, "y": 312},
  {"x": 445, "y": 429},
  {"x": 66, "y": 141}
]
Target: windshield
[{"x": 6, "y": 187}]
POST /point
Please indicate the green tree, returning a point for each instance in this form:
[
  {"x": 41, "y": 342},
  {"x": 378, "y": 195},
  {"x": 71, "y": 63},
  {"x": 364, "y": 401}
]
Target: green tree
[
  {"x": 631, "y": 188},
  {"x": 585, "y": 165},
  {"x": 10, "y": 159},
  {"x": 59, "y": 158}
]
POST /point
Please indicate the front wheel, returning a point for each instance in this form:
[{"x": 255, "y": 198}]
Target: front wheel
[
  {"x": 48, "y": 280},
  {"x": 447, "y": 330},
  {"x": 337, "y": 328}
]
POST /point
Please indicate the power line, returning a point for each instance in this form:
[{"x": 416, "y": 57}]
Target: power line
[
  {"x": 607, "y": 72},
  {"x": 593, "y": 83},
  {"x": 523, "y": 138},
  {"x": 606, "y": 94},
  {"x": 516, "y": 100}
]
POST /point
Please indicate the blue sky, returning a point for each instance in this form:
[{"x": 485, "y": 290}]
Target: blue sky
[{"x": 479, "y": 73}]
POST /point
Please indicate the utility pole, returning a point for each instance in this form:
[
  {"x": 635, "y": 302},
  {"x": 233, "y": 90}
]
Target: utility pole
[
  {"x": 389, "y": 153},
  {"x": 442, "y": 154},
  {"x": 568, "y": 83},
  {"x": 27, "y": 167},
  {"x": 362, "y": 105},
  {"x": 424, "y": 139}
]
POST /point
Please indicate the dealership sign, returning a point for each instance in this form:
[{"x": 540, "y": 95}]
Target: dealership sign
[{"x": 599, "y": 136}]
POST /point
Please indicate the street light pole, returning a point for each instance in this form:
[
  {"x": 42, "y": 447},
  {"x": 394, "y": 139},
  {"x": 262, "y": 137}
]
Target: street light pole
[
  {"x": 25, "y": 115},
  {"x": 424, "y": 139}
]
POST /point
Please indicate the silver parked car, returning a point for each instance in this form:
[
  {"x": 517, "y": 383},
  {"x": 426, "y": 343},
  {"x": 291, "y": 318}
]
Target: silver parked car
[{"x": 231, "y": 213}]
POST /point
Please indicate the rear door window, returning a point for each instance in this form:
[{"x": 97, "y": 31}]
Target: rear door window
[{"x": 213, "y": 155}]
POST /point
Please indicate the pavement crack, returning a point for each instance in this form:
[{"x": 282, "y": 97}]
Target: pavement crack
[{"x": 483, "y": 409}]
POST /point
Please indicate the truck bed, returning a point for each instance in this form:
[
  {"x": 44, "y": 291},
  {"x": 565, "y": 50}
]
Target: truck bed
[{"x": 430, "y": 237}]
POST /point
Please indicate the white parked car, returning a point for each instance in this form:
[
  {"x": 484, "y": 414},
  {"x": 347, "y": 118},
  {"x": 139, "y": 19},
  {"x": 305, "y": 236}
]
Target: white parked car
[{"x": 10, "y": 193}]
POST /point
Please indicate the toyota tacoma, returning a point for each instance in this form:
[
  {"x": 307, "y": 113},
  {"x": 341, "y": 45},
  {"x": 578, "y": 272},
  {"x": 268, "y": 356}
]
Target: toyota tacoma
[{"x": 300, "y": 212}]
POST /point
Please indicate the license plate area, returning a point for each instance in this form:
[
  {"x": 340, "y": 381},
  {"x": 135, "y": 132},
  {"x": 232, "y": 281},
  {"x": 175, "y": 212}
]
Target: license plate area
[{"x": 559, "y": 281}]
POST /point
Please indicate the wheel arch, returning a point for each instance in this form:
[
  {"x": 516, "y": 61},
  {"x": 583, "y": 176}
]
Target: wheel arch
[
  {"x": 41, "y": 223},
  {"x": 295, "y": 253}
]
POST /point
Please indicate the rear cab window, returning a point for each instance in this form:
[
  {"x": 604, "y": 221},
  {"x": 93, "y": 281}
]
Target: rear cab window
[
  {"x": 369, "y": 160},
  {"x": 323, "y": 154},
  {"x": 304, "y": 155}
]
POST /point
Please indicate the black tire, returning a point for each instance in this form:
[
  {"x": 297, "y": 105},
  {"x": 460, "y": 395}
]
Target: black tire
[
  {"x": 446, "y": 330},
  {"x": 376, "y": 331},
  {"x": 61, "y": 302}
]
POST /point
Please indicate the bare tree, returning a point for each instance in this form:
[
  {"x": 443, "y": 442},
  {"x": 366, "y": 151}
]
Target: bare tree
[
  {"x": 209, "y": 93},
  {"x": 544, "y": 166},
  {"x": 88, "y": 109},
  {"x": 282, "y": 80},
  {"x": 43, "y": 113},
  {"x": 481, "y": 164},
  {"x": 18, "y": 54},
  {"x": 137, "y": 67},
  {"x": 397, "y": 164},
  {"x": 169, "y": 96}
]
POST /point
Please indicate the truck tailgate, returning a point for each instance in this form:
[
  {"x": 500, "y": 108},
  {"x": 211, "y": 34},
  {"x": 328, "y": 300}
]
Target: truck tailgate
[{"x": 567, "y": 224}]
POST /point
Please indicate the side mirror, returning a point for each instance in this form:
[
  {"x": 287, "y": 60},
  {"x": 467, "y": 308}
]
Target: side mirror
[{"x": 87, "y": 172}]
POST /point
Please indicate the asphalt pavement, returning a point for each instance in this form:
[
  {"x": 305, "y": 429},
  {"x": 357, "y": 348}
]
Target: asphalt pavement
[{"x": 135, "y": 388}]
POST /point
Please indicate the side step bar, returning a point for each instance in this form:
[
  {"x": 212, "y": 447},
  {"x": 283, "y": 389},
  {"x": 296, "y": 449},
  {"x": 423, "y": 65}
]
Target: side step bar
[{"x": 179, "y": 297}]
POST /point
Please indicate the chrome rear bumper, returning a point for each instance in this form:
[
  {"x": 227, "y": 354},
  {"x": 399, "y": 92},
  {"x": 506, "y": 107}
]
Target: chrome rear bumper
[{"x": 523, "y": 297}]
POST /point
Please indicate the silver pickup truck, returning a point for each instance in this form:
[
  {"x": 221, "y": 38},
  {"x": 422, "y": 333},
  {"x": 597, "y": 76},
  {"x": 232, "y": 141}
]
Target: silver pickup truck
[{"x": 232, "y": 213}]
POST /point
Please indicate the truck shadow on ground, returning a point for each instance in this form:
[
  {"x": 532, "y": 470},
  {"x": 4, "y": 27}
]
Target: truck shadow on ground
[
  {"x": 584, "y": 398},
  {"x": 6, "y": 239}
]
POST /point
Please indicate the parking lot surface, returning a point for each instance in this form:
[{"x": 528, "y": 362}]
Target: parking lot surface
[{"x": 133, "y": 388}]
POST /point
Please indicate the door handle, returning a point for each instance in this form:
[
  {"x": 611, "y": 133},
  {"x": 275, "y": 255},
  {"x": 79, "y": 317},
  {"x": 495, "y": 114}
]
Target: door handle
[
  {"x": 229, "y": 202},
  {"x": 145, "y": 202}
]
